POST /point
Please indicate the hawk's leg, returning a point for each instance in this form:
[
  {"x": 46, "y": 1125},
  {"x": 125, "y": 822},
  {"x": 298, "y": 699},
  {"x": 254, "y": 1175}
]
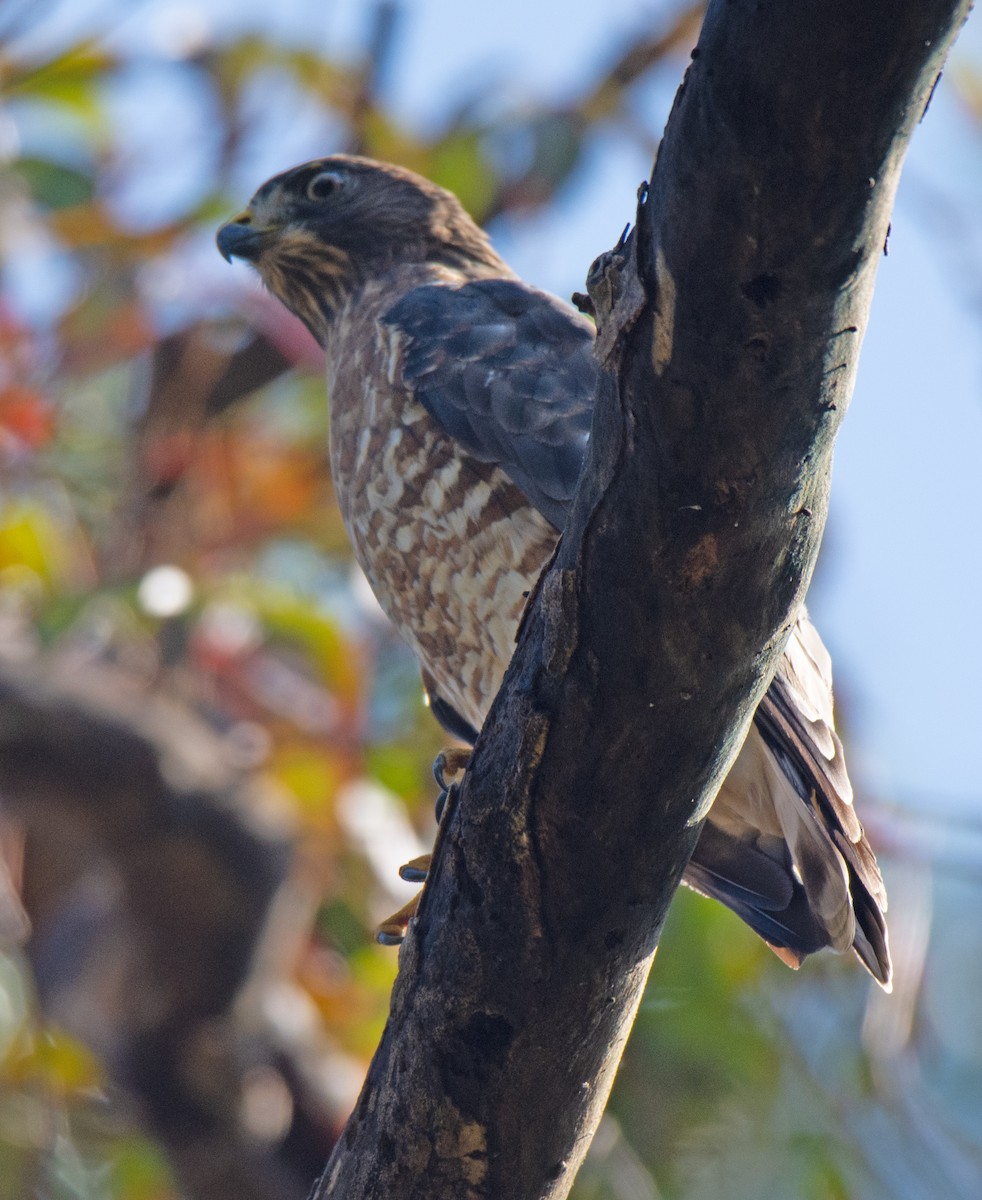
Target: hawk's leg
[{"x": 451, "y": 762}]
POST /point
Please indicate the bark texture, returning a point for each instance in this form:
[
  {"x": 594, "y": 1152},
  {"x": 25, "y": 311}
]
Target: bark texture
[{"x": 730, "y": 324}]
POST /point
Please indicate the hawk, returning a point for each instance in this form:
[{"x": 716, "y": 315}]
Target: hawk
[{"x": 461, "y": 402}]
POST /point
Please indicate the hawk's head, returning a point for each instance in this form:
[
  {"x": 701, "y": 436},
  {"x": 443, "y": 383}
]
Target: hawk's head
[{"x": 317, "y": 231}]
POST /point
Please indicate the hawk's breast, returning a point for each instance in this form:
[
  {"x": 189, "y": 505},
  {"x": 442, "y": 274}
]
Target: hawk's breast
[{"x": 449, "y": 544}]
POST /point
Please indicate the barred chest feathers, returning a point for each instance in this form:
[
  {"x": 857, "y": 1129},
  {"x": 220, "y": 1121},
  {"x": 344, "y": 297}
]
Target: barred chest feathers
[{"x": 436, "y": 532}]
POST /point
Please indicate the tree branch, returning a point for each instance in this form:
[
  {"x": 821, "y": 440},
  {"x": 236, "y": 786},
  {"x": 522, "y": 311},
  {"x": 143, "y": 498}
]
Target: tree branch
[{"x": 731, "y": 325}]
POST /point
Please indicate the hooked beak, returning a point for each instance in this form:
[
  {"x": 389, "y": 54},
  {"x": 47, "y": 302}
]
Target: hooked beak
[{"x": 239, "y": 238}]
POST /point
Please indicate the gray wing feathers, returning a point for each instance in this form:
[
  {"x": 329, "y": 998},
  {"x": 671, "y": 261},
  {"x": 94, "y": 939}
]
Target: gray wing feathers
[{"x": 507, "y": 371}]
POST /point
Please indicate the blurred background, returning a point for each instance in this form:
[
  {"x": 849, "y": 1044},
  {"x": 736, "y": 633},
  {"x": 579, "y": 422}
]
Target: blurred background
[{"x": 213, "y": 750}]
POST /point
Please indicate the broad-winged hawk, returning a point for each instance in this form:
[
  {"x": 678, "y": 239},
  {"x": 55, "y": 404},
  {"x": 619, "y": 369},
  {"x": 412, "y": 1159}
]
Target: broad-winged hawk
[{"x": 461, "y": 402}]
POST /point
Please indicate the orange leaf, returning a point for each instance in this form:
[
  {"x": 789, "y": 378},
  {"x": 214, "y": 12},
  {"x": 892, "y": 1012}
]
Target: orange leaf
[{"x": 27, "y": 415}]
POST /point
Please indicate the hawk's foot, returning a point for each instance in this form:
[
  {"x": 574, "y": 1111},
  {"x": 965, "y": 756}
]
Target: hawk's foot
[
  {"x": 392, "y": 931},
  {"x": 453, "y": 763}
]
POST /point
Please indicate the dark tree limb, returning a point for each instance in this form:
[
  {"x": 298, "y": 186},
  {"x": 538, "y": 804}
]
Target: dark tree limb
[{"x": 737, "y": 311}]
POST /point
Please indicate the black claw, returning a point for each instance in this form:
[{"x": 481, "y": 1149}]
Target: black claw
[
  {"x": 410, "y": 874},
  {"x": 441, "y": 800},
  {"x": 389, "y": 939}
]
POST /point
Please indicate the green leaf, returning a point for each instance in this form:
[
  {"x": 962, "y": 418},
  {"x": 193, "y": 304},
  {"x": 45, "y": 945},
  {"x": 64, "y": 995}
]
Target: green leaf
[
  {"x": 140, "y": 1171},
  {"x": 55, "y": 185},
  {"x": 71, "y": 80}
]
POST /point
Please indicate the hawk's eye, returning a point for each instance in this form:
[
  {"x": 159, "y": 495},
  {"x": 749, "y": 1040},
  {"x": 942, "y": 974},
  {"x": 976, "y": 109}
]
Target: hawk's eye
[{"x": 323, "y": 185}]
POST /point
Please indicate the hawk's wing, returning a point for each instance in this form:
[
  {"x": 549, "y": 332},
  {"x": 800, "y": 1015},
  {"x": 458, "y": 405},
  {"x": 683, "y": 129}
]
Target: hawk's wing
[{"x": 508, "y": 372}]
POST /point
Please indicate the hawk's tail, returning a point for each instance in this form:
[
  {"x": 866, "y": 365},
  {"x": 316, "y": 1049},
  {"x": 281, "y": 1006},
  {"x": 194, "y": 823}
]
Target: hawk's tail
[{"x": 782, "y": 846}]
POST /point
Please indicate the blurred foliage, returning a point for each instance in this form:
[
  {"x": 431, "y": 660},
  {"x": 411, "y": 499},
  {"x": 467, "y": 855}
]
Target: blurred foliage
[{"x": 123, "y": 446}]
